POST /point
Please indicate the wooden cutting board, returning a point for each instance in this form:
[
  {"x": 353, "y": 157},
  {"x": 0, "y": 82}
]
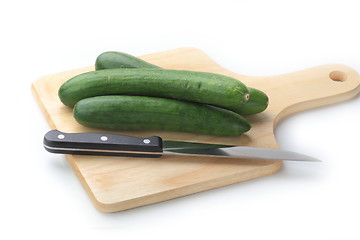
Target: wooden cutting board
[{"x": 119, "y": 183}]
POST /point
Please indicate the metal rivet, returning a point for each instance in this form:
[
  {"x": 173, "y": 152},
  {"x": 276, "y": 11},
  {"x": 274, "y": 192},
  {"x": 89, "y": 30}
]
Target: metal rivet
[
  {"x": 104, "y": 138},
  {"x": 146, "y": 141},
  {"x": 61, "y": 136}
]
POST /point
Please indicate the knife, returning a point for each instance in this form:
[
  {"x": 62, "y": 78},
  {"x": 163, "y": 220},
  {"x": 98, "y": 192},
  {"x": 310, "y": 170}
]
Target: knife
[{"x": 106, "y": 144}]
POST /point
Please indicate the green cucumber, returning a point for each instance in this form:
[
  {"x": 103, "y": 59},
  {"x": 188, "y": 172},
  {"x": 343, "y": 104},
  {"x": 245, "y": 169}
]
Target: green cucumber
[
  {"x": 202, "y": 87},
  {"x": 258, "y": 102},
  {"x": 120, "y": 112},
  {"x": 112, "y": 59}
]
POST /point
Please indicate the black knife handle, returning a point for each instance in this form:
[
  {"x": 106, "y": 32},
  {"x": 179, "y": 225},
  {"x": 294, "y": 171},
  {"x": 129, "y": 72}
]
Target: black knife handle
[{"x": 103, "y": 144}]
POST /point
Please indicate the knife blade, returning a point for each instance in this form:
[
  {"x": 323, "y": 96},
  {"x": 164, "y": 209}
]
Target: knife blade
[{"x": 106, "y": 144}]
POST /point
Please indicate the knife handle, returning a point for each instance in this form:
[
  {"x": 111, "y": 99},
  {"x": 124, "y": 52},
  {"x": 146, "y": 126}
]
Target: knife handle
[{"x": 103, "y": 144}]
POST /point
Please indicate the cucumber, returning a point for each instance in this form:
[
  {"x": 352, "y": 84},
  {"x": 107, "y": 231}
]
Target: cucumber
[
  {"x": 258, "y": 102},
  {"x": 112, "y": 59},
  {"x": 202, "y": 87},
  {"x": 120, "y": 112}
]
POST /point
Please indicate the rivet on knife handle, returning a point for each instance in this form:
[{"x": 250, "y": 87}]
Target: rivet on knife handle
[{"x": 102, "y": 144}]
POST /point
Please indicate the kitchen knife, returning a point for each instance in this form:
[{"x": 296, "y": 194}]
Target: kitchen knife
[{"x": 106, "y": 144}]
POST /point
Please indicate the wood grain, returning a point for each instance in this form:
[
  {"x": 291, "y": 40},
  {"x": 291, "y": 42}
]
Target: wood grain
[{"x": 119, "y": 183}]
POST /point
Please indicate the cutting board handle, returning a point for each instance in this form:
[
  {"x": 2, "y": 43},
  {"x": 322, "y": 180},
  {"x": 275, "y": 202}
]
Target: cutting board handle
[{"x": 310, "y": 88}]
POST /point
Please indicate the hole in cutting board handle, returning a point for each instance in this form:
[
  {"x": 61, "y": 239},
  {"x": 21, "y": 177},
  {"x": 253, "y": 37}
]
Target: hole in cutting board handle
[{"x": 338, "y": 76}]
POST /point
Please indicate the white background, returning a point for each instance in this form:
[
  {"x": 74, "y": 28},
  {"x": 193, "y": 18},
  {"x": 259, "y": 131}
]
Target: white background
[{"x": 42, "y": 198}]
